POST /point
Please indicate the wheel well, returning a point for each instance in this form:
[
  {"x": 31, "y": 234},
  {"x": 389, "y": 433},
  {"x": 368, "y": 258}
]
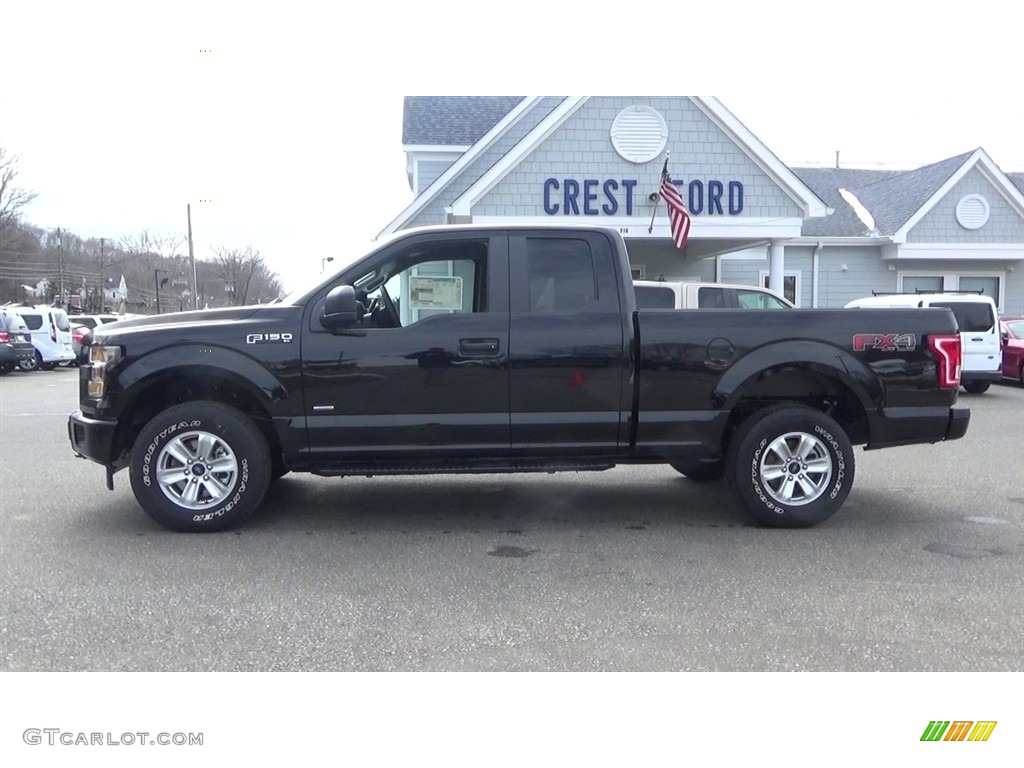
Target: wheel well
[
  {"x": 814, "y": 389},
  {"x": 175, "y": 390}
]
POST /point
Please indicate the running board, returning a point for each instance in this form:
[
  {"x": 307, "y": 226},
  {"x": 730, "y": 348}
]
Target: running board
[{"x": 462, "y": 468}]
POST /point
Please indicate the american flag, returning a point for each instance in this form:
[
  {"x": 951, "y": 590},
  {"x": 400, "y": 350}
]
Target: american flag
[{"x": 678, "y": 216}]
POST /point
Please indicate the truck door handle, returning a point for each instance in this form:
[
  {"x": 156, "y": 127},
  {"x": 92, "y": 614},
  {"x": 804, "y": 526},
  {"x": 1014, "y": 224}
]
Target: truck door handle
[
  {"x": 478, "y": 347},
  {"x": 977, "y": 338}
]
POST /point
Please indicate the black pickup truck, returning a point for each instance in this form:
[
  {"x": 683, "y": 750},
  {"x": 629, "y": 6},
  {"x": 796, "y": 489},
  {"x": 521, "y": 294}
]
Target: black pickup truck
[{"x": 506, "y": 349}]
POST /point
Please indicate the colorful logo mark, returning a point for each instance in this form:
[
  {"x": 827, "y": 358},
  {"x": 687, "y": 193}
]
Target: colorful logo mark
[{"x": 958, "y": 730}]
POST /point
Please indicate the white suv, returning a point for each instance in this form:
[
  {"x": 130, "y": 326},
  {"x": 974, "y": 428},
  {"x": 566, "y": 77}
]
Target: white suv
[{"x": 51, "y": 336}]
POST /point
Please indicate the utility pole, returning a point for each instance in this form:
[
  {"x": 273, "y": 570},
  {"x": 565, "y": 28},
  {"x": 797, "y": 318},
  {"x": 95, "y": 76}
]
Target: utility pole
[
  {"x": 192, "y": 258},
  {"x": 102, "y": 279},
  {"x": 60, "y": 266},
  {"x": 157, "y": 284}
]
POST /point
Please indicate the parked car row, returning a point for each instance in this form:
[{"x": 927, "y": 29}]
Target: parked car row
[
  {"x": 1013, "y": 348},
  {"x": 34, "y": 337}
]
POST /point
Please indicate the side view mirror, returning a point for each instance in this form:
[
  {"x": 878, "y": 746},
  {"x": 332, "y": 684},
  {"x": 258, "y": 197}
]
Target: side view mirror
[{"x": 340, "y": 308}]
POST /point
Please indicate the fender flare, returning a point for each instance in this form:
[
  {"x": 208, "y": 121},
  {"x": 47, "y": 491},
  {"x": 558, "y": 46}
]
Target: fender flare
[
  {"x": 814, "y": 356},
  {"x": 192, "y": 360}
]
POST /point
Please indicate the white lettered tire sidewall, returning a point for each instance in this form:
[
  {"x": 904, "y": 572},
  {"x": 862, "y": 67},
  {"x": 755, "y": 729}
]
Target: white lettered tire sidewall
[
  {"x": 761, "y": 431},
  {"x": 228, "y": 425}
]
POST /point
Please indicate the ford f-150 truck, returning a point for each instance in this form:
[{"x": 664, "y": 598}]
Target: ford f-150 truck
[{"x": 506, "y": 349}]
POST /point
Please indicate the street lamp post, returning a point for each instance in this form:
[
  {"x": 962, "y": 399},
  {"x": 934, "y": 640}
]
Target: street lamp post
[{"x": 324, "y": 262}]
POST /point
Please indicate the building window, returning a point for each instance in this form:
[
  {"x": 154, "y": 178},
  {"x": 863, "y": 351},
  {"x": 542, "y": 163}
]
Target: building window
[
  {"x": 989, "y": 284},
  {"x": 922, "y": 284},
  {"x": 790, "y": 285}
]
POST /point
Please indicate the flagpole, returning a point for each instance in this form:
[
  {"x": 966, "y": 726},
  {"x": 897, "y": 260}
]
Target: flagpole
[{"x": 657, "y": 200}]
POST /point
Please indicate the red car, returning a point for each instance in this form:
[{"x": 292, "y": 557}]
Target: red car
[{"x": 1013, "y": 348}]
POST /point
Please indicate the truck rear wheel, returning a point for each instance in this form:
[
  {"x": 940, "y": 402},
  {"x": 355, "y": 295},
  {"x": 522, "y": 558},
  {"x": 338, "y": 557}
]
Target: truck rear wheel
[
  {"x": 200, "y": 466},
  {"x": 792, "y": 466}
]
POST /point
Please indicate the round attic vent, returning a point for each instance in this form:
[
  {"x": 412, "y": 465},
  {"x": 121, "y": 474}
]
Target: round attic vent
[
  {"x": 639, "y": 134},
  {"x": 972, "y": 211}
]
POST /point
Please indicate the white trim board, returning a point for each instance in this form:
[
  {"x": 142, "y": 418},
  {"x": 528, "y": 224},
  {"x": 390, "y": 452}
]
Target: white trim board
[{"x": 954, "y": 252}]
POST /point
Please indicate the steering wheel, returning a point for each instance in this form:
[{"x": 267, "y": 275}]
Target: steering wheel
[{"x": 390, "y": 310}]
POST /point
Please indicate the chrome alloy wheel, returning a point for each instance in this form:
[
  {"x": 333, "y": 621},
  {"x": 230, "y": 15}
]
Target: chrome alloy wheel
[
  {"x": 796, "y": 468},
  {"x": 196, "y": 470}
]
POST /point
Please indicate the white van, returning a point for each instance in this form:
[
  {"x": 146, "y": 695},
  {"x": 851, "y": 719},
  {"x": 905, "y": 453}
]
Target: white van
[
  {"x": 979, "y": 330},
  {"x": 51, "y": 335}
]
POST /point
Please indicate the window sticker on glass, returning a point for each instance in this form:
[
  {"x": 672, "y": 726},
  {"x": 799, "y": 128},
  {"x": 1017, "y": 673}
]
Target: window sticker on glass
[{"x": 435, "y": 292}]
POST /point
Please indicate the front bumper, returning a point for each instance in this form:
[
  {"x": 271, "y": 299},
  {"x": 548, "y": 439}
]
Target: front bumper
[
  {"x": 92, "y": 439},
  {"x": 910, "y": 426}
]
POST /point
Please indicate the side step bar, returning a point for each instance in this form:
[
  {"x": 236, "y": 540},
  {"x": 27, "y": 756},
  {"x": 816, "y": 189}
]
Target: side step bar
[{"x": 463, "y": 468}]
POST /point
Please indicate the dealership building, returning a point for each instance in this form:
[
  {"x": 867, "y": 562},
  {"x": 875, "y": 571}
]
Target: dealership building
[{"x": 821, "y": 236}]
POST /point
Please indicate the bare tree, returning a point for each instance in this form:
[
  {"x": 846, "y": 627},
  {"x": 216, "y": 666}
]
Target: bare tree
[
  {"x": 12, "y": 198},
  {"x": 245, "y": 275}
]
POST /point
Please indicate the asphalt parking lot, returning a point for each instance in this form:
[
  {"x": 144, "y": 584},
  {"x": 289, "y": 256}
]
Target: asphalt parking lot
[{"x": 630, "y": 569}]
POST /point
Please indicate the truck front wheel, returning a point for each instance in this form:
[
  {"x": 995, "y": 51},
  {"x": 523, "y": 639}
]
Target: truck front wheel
[
  {"x": 200, "y": 466},
  {"x": 792, "y": 466}
]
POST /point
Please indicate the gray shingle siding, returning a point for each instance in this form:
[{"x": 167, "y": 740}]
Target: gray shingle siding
[
  {"x": 939, "y": 225},
  {"x": 581, "y": 149},
  {"x": 428, "y": 171}
]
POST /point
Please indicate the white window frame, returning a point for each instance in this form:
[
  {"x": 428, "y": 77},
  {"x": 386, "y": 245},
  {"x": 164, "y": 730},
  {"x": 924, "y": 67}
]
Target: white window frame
[{"x": 763, "y": 282}]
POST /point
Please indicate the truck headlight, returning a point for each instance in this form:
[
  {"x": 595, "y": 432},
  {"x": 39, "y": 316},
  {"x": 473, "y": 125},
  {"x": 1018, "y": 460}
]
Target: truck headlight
[{"x": 99, "y": 358}]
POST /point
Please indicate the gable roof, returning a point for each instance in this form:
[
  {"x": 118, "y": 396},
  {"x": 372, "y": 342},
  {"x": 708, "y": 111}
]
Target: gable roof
[
  {"x": 498, "y": 129},
  {"x": 718, "y": 114},
  {"x": 895, "y": 199},
  {"x": 452, "y": 120},
  {"x": 826, "y": 183}
]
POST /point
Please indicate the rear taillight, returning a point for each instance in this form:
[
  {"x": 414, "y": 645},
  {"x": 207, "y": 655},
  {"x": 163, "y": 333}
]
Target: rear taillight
[
  {"x": 5, "y": 337},
  {"x": 53, "y": 333},
  {"x": 948, "y": 352},
  {"x": 77, "y": 336}
]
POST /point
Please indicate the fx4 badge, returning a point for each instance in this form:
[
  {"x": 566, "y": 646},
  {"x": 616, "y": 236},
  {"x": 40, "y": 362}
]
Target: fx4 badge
[
  {"x": 268, "y": 338},
  {"x": 884, "y": 342}
]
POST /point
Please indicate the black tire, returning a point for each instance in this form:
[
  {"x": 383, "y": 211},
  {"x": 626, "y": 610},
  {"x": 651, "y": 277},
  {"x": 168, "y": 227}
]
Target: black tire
[
  {"x": 43, "y": 366},
  {"x": 768, "y": 462},
  {"x": 29, "y": 364},
  {"x": 700, "y": 471},
  {"x": 976, "y": 387},
  {"x": 205, "y": 497}
]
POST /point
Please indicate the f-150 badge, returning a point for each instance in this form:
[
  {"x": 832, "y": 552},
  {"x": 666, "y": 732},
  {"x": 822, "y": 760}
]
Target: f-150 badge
[
  {"x": 884, "y": 342},
  {"x": 268, "y": 338}
]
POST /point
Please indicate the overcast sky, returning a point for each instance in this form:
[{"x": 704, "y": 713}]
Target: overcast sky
[{"x": 289, "y": 149}]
